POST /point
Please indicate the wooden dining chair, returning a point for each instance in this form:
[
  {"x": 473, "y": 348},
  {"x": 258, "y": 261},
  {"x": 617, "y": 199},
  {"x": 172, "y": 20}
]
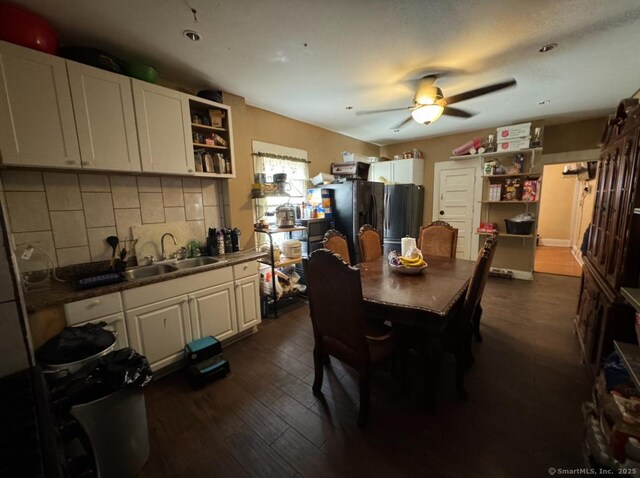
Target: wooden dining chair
[
  {"x": 458, "y": 335},
  {"x": 339, "y": 326},
  {"x": 337, "y": 242},
  {"x": 490, "y": 245},
  {"x": 370, "y": 243},
  {"x": 438, "y": 239}
]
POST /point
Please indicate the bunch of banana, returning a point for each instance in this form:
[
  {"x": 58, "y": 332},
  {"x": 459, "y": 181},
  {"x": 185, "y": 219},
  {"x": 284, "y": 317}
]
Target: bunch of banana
[{"x": 417, "y": 261}]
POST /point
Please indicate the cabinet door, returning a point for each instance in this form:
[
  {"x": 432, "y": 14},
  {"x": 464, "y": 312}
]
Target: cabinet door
[
  {"x": 378, "y": 171},
  {"x": 408, "y": 171},
  {"x": 213, "y": 312},
  {"x": 116, "y": 324},
  {"x": 164, "y": 132},
  {"x": 248, "y": 302},
  {"x": 38, "y": 127},
  {"x": 106, "y": 123},
  {"x": 160, "y": 330}
]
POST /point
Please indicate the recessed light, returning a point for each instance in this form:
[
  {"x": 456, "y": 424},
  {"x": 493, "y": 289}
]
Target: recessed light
[
  {"x": 192, "y": 35},
  {"x": 548, "y": 47},
  {"x": 544, "y": 102},
  {"x": 396, "y": 130},
  {"x": 349, "y": 108}
]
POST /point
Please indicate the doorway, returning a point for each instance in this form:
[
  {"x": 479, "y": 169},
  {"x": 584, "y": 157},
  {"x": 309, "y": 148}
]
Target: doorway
[
  {"x": 566, "y": 207},
  {"x": 456, "y": 194}
]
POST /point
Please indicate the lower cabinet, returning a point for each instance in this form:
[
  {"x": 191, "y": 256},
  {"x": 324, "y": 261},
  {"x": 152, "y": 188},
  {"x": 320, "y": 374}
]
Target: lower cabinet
[
  {"x": 213, "y": 312},
  {"x": 248, "y": 302},
  {"x": 160, "y": 330}
]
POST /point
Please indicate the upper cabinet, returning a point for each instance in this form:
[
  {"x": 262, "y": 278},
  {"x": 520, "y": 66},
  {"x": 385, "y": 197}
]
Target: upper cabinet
[
  {"x": 164, "y": 131},
  {"x": 399, "y": 171},
  {"x": 38, "y": 126},
  {"x": 106, "y": 122},
  {"x": 62, "y": 114}
]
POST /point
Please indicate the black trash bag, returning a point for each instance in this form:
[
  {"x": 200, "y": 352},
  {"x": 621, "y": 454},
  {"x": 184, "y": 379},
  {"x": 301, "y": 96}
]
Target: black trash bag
[
  {"x": 124, "y": 368},
  {"x": 76, "y": 343}
]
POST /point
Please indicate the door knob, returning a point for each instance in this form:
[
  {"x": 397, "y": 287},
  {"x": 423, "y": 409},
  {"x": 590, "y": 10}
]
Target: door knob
[{"x": 442, "y": 213}]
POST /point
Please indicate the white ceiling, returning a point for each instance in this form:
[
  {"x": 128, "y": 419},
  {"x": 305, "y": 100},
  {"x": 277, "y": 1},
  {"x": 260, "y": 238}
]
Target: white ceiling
[{"x": 310, "y": 60}]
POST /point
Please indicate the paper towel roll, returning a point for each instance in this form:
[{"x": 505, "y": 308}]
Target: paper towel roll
[{"x": 407, "y": 243}]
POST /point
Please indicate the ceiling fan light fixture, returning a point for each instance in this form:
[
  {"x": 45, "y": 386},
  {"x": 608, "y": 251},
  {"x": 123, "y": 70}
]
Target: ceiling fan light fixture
[{"x": 427, "y": 114}]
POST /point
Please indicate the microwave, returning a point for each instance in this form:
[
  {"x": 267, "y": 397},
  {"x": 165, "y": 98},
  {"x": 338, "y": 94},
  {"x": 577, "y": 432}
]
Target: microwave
[{"x": 355, "y": 170}]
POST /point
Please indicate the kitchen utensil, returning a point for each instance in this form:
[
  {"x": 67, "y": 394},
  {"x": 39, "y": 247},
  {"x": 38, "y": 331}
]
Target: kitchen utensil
[
  {"x": 292, "y": 248},
  {"x": 123, "y": 254},
  {"x": 93, "y": 57},
  {"x": 113, "y": 241},
  {"x": 22, "y": 27},
  {"x": 141, "y": 71},
  {"x": 285, "y": 216},
  {"x": 280, "y": 178}
]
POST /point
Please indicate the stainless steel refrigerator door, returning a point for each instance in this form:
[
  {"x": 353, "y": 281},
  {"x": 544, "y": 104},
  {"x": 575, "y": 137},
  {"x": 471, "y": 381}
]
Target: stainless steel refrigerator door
[{"x": 398, "y": 205}]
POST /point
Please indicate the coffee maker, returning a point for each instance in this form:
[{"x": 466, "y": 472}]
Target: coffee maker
[{"x": 281, "y": 181}]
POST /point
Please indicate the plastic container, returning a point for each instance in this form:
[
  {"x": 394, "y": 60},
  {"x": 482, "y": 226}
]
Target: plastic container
[
  {"x": 22, "y": 27},
  {"x": 519, "y": 227},
  {"x": 292, "y": 248}
]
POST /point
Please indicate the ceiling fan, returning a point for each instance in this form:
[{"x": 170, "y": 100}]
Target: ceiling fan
[{"x": 429, "y": 102}]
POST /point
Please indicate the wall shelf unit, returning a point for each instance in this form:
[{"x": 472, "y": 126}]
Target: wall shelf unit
[{"x": 511, "y": 255}]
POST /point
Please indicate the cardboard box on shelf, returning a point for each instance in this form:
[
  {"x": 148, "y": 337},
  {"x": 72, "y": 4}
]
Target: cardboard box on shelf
[
  {"x": 521, "y": 130},
  {"x": 217, "y": 117},
  {"x": 530, "y": 190},
  {"x": 514, "y": 144}
]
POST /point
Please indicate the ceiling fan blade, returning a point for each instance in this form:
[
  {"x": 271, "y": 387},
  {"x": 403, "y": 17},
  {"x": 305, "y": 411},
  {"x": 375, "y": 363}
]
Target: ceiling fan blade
[
  {"x": 449, "y": 111},
  {"x": 467, "y": 95},
  {"x": 371, "y": 112},
  {"x": 404, "y": 123}
]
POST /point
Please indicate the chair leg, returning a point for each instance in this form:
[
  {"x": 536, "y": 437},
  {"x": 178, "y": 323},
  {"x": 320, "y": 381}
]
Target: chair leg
[
  {"x": 461, "y": 361},
  {"x": 432, "y": 354},
  {"x": 363, "y": 413},
  {"x": 476, "y": 323},
  {"x": 318, "y": 359}
]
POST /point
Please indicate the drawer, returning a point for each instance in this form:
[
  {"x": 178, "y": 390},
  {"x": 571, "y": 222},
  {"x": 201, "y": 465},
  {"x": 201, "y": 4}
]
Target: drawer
[
  {"x": 93, "y": 308},
  {"x": 246, "y": 269}
]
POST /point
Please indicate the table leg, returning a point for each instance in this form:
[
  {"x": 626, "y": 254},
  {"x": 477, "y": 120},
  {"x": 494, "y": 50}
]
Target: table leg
[{"x": 432, "y": 355}]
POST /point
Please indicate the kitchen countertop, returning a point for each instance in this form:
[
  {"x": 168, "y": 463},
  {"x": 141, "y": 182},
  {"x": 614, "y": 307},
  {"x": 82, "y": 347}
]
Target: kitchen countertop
[{"x": 64, "y": 292}]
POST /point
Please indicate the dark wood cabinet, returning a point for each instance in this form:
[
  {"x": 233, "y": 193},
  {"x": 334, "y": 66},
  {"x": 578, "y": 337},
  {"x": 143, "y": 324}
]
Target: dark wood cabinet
[{"x": 613, "y": 256}]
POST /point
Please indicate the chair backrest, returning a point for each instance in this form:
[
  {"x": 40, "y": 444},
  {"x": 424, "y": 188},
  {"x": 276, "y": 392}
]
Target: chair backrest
[
  {"x": 438, "y": 239},
  {"x": 489, "y": 245},
  {"x": 370, "y": 243},
  {"x": 474, "y": 292},
  {"x": 336, "y": 242},
  {"x": 337, "y": 309}
]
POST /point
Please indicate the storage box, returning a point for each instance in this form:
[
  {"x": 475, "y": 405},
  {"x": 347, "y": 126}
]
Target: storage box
[
  {"x": 519, "y": 227},
  {"x": 322, "y": 201},
  {"x": 504, "y": 133},
  {"x": 217, "y": 118},
  {"x": 530, "y": 190},
  {"x": 348, "y": 157},
  {"x": 514, "y": 144}
]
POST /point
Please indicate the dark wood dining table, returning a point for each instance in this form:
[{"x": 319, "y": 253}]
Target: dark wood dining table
[{"x": 424, "y": 303}]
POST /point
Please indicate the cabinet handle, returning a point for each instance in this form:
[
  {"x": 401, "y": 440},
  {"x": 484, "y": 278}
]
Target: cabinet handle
[
  {"x": 190, "y": 170},
  {"x": 94, "y": 303},
  {"x": 87, "y": 163},
  {"x": 71, "y": 161},
  {"x": 165, "y": 323}
]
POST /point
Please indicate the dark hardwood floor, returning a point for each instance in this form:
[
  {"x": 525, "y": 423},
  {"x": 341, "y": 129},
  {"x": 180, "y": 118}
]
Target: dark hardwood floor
[{"x": 522, "y": 416}]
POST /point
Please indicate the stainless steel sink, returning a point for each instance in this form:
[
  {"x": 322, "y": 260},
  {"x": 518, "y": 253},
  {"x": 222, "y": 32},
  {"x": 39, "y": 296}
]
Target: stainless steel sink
[
  {"x": 149, "y": 271},
  {"x": 196, "y": 262}
]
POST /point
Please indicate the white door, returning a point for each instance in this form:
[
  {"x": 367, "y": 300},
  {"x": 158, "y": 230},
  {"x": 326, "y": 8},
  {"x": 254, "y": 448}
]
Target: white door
[
  {"x": 164, "y": 129},
  {"x": 36, "y": 115},
  {"x": 106, "y": 123},
  {"x": 160, "y": 330},
  {"x": 213, "y": 312},
  {"x": 457, "y": 188},
  {"x": 248, "y": 302}
]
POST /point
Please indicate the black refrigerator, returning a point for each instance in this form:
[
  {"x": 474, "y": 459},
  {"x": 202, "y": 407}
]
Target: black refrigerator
[
  {"x": 403, "y": 205},
  {"x": 357, "y": 202}
]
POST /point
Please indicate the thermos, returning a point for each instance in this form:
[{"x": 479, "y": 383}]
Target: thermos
[
  {"x": 228, "y": 247},
  {"x": 212, "y": 242}
]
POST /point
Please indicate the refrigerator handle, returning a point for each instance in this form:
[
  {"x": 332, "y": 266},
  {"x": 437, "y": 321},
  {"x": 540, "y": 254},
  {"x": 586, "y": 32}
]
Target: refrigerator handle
[
  {"x": 386, "y": 209},
  {"x": 372, "y": 209}
]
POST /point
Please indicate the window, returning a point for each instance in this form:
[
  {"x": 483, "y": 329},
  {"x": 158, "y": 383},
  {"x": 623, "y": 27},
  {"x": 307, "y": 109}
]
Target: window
[{"x": 271, "y": 159}]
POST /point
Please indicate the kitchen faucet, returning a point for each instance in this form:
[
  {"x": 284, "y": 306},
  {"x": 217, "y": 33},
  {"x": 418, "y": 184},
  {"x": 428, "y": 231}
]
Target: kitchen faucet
[{"x": 164, "y": 255}]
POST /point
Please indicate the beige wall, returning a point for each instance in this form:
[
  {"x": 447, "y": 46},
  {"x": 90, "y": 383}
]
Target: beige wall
[
  {"x": 323, "y": 148},
  {"x": 556, "y": 204}
]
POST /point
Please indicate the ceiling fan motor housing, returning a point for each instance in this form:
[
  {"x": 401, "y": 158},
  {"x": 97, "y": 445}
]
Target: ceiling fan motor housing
[{"x": 428, "y": 95}]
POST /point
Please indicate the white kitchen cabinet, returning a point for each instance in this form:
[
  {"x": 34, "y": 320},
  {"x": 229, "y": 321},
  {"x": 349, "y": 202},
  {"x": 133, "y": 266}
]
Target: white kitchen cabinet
[
  {"x": 105, "y": 308},
  {"x": 247, "y": 284},
  {"x": 213, "y": 312},
  {"x": 160, "y": 330},
  {"x": 105, "y": 120},
  {"x": 399, "y": 171},
  {"x": 38, "y": 126},
  {"x": 164, "y": 129}
]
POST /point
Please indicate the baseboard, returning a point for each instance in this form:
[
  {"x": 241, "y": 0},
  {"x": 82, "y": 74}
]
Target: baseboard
[
  {"x": 575, "y": 250},
  {"x": 554, "y": 242}
]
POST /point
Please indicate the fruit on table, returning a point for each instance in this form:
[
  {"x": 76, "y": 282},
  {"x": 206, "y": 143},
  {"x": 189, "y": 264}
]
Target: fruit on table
[{"x": 417, "y": 262}]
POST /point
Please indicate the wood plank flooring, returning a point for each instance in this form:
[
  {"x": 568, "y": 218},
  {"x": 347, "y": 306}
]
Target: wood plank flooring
[
  {"x": 522, "y": 417},
  {"x": 556, "y": 260}
]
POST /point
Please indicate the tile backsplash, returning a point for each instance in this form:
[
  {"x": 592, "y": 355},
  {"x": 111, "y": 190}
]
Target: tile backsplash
[{"x": 71, "y": 214}]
